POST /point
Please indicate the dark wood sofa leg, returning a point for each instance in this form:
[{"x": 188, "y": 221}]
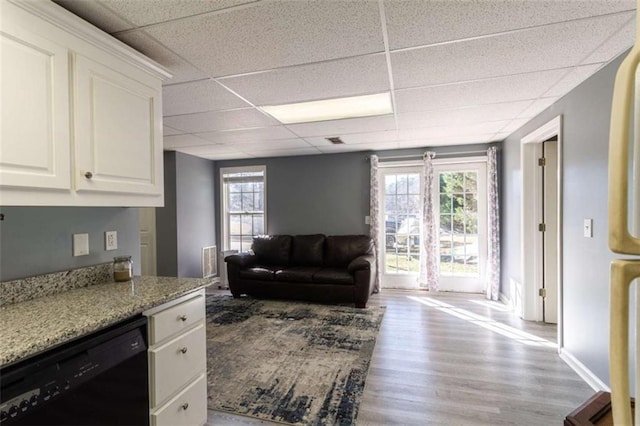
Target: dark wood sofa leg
[{"x": 361, "y": 305}]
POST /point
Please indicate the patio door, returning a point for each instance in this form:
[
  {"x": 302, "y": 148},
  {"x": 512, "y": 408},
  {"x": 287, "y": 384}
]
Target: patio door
[
  {"x": 400, "y": 222},
  {"x": 461, "y": 203}
]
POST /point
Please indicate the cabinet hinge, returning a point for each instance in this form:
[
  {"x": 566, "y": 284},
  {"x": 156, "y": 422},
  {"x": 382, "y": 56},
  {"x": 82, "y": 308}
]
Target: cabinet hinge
[
  {"x": 542, "y": 227},
  {"x": 542, "y": 292},
  {"x": 542, "y": 162}
]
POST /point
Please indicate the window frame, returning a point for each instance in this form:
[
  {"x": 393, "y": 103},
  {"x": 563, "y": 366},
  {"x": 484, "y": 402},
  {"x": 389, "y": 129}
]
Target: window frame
[{"x": 224, "y": 216}]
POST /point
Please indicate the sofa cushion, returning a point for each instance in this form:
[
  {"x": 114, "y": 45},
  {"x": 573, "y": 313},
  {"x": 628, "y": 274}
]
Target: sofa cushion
[
  {"x": 272, "y": 249},
  {"x": 333, "y": 276},
  {"x": 340, "y": 250},
  {"x": 300, "y": 274},
  {"x": 307, "y": 250},
  {"x": 264, "y": 273}
]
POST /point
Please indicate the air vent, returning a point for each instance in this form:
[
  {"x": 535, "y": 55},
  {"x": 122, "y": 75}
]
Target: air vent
[
  {"x": 209, "y": 262},
  {"x": 335, "y": 140}
]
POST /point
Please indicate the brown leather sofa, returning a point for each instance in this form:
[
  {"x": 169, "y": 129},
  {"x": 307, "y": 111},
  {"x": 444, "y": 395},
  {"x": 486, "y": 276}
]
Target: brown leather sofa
[{"x": 317, "y": 268}]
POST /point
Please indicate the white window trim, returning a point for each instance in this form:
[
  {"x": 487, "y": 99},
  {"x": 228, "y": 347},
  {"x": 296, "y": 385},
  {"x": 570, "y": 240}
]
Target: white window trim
[{"x": 224, "y": 222}]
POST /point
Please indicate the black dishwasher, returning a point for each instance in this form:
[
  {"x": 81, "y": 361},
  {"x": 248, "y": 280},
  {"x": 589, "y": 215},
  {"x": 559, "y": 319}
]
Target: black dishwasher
[{"x": 100, "y": 379}]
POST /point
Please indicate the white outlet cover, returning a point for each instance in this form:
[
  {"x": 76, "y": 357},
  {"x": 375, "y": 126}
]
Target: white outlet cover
[
  {"x": 111, "y": 240},
  {"x": 588, "y": 228},
  {"x": 80, "y": 244}
]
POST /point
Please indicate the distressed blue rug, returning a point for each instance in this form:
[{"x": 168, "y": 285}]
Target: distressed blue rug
[{"x": 289, "y": 362}]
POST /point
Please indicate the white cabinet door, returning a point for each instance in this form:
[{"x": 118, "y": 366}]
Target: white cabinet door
[
  {"x": 35, "y": 143},
  {"x": 118, "y": 135}
]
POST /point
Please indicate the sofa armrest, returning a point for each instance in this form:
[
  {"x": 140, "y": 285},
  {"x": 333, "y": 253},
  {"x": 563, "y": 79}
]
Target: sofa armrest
[
  {"x": 366, "y": 261},
  {"x": 243, "y": 260}
]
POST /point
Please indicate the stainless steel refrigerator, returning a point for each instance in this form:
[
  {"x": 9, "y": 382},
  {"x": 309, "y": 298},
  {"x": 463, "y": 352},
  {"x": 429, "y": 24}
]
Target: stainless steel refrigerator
[{"x": 624, "y": 227}]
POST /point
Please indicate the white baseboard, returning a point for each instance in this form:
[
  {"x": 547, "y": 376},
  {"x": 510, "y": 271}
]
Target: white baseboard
[
  {"x": 504, "y": 299},
  {"x": 582, "y": 371}
]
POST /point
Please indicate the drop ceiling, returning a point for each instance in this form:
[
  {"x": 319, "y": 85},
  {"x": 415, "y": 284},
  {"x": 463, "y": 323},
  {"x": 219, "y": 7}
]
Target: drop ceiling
[{"x": 459, "y": 71}]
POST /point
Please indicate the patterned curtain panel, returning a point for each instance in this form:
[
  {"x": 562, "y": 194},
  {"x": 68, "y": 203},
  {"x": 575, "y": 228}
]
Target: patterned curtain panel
[
  {"x": 493, "y": 260},
  {"x": 374, "y": 210},
  {"x": 429, "y": 256}
]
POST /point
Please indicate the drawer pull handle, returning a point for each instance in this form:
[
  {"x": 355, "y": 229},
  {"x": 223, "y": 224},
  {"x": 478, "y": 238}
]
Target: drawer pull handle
[
  {"x": 182, "y": 317},
  {"x": 183, "y": 350},
  {"x": 88, "y": 175},
  {"x": 185, "y": 405}
]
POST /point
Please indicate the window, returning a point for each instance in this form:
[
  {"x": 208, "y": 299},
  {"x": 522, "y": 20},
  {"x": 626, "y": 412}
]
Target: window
[{"x": 243, "y": 205}]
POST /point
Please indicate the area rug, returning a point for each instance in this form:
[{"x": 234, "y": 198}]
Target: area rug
[{"x": 289, "y": 362}]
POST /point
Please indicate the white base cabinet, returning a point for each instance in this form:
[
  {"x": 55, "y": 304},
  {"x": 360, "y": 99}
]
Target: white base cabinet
[
  {"x": 178, "y": 362},
  {"x": 81, "y": 113}
]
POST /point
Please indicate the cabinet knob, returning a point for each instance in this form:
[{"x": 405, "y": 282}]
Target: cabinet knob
[
  {"x": 185, "y": 405},
  {"x": 183, "y": 350},
  {"x": 182, "y": 317},
  {"x": 88, "y": 175}
]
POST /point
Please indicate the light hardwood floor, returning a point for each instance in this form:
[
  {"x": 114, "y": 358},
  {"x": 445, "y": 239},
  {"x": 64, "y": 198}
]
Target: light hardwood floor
[{"x": 456, "y": 359}]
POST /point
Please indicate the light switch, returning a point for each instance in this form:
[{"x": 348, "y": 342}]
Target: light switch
[
  {"x": 80, "y": 244},
  {"x": 367, "y": 220},
  {"x": 111, "y": 240},
  {"x": 588, "y": 228}
]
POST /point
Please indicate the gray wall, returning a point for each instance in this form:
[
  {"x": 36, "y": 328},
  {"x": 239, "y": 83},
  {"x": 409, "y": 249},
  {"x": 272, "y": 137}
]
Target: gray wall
[
  {"x": 38, "y": 240},
  {"x": 585, "y": 113},
  {"x": 326, "y": 194},
  {"x": 187, "y": 221}
]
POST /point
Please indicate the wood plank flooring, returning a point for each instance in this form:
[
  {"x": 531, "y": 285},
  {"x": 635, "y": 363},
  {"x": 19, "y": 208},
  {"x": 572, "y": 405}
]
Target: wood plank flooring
[{"x": 457, "y": 359}]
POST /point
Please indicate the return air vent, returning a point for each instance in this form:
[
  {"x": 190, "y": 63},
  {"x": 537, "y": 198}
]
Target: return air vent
[
  {"x": 335, "y": 140},
  {"x": 209, "y": 262}
]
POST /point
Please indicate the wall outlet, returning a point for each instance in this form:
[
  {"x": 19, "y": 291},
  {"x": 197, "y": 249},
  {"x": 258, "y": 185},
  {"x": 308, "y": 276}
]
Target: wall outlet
[
  {"x": 80, "y": 244},
  {"x": 588, "y": 228},
  {"x": 367, "y": 220},
  {"x": 110, "y": 240}
]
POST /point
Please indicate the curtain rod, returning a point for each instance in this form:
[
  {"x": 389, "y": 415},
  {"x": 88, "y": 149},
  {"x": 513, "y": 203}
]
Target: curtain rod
[{"x": 444, "y": 154}]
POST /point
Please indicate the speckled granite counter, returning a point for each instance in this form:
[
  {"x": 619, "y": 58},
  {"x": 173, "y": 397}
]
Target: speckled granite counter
[{"x": 32, "y": 326}]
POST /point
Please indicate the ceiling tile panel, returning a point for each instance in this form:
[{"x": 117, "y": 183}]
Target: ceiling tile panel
[
  {"x": 536, "y": 107},
  {"x": 273, "y": 145},
  {"x": 514, "y": 125},
  {"x": 98, "y": 15},
  {"x": 169, "y": 131},
  {"x": 379, "y": 146},
  {"x": 416, "y": 23},
  {"x": 340, "y": 78},
  {"x": 553, "y": 46},
  {"x": 249, "y": 135},
  {"x": 345, "y": 126},
  {"x": 208, "y": 150},
  {"x": 617, "y": 44},
  {"x": 275, "y": 34},
  {"x": 358, "y": 138},
  {"x": 198, "y": 96},
  {"x": 462, "y": 116},
  {"x": 480, "y": 92},
  {"x": 220, "y": 120},
  {"x": 142, "y": 12},
  {"x": 285, "y": 152},
  {"x": 183, "y": 140},
  {"x": 181, "y": 70},
  {"x": 571, "y": 79},
  {"x": 452, "y": 131}
]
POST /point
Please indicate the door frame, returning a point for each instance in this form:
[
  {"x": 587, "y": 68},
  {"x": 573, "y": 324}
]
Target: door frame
[{"x": 530, "y": 305}]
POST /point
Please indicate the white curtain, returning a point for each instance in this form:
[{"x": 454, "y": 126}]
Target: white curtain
[
  {"x": 493, "y": 261},
  {"x": 374, "y": 210},
  {"x": 429, "y": 264}
]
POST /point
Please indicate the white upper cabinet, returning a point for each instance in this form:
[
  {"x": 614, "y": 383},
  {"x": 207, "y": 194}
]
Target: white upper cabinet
[
  {"x": 34, "y": 125},
  {"x": 81, "y": 113}
]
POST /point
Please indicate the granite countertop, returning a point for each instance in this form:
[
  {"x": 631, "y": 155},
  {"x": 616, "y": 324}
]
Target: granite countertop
[{"x": 30, "y": 327}]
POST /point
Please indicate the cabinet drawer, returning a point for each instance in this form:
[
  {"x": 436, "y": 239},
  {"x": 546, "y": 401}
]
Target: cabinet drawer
[
  {"x": 189, "y": 407},
  {"x": 175, "y": 363},
  {"x": 176, "y": 319}
]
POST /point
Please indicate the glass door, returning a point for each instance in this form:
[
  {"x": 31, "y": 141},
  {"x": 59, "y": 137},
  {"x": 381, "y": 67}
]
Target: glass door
[
  {"x": 461, "y": 204},
  {"x": 401, "y": 219}
]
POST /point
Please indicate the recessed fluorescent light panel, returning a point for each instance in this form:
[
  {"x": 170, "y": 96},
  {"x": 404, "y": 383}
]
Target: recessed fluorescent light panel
[{"x": 331, "y": 109}]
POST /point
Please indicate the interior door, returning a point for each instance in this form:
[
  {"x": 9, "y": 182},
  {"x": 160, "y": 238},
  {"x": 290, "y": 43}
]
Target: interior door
[
  {"x": 461, "y": 203},
  {"x": 400, "y": 215},
  {"x": 550, "y": 235}
]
